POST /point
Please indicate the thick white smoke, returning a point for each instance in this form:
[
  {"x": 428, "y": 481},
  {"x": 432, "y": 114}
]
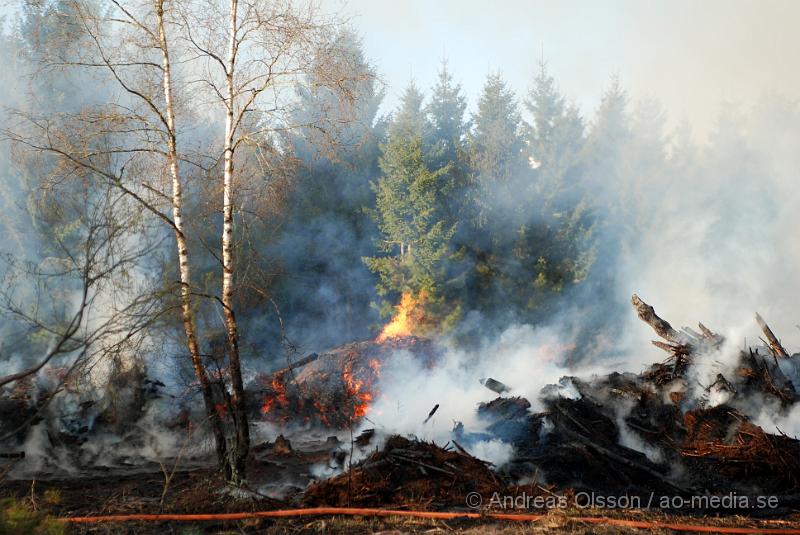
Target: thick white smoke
[
  {"x": 715, "y": 240},
  {"x": 523, "y": 357}
]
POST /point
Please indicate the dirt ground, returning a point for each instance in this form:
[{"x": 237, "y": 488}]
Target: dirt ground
[{"x": 197, "y": 491}]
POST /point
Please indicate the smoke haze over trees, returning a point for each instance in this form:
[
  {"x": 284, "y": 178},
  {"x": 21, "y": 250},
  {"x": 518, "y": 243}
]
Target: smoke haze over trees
[{"x": 518, "y": 210}]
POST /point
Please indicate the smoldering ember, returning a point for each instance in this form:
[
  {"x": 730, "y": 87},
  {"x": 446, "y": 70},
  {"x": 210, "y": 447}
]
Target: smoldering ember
[{"x": 277, "y": 266}]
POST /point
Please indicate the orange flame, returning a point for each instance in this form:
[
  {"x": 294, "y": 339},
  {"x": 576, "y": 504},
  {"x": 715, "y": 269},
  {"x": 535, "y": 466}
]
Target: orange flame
[
  {"x": 357, "y": 380},
  {"x": 355, "y": 388},
  {"x": 322, "y": 413},
  {"x": 278, "y": 396},
  {"x": 409, "y": 315}
]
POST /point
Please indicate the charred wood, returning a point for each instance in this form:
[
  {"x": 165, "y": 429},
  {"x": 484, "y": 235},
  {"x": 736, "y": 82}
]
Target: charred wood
[
  {"x": 662, "y": 327},
  {"x": 430, "y": 414},
  {"x": 774, "y": 344},
  {"x": 495, "y": 386}
]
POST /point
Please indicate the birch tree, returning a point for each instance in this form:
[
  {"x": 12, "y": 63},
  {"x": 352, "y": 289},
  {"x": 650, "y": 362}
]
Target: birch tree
[
  {"x": 256, "y": 53},
  {"x": 128, "y": 143},
  {"x": 240, "y": 61}
]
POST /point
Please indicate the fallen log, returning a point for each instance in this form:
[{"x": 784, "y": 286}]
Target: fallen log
[{"x": 297, "y": 364}]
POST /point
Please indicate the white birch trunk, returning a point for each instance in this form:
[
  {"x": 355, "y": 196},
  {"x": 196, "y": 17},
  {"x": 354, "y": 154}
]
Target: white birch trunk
[
  {"x": 187, "y": 313},
  {"x": 241, "y": 445}
]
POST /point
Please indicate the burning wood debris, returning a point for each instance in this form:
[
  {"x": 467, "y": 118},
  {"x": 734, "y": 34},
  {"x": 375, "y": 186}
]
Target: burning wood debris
[
  {"x": 334, "y": 389},
  {"x": 621, "y": 432},
  {"x": 71, "y": 412},
  {"x": 407, "y": 471}
]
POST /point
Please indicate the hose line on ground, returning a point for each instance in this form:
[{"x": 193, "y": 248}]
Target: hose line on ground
[{"x": 350, "y": 511}]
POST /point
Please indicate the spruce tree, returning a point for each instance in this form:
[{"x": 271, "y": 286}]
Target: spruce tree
[
  {"x": 606, "y": 164},
  {"x": 555, "y": 244},
  {"x": 499, "y": 169},
  {"x": 496, "y": 145},
  {"x": 415, "y": 238},
  {"x": 447, "y": 130},
  {"x": 446, "y": 147},
  {"x": 555, "y": 139}
]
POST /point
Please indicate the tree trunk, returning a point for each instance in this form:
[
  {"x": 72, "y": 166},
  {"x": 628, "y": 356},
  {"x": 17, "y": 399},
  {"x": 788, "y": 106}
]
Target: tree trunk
[
  {"x": 240, "y": 446},
  {"x": 187, "y": 313}
]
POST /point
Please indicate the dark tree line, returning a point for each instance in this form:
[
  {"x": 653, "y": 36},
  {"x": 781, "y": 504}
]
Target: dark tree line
[{"x": 487, "y": 213}]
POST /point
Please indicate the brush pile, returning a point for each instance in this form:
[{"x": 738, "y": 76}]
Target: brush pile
[
  {"x": 660, "y": 431},
  {"x": 19, "y": 407},
  {"x": 408, "y": 473},
  {"x": 641, "y": 433},
  {"x": 72, "y": 410},
  {"x": 685, "y": 426},
  {"x": 332, "y": 389}
]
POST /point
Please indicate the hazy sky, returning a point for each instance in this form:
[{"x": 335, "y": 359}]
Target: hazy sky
[{"x": 691, "y": 55}]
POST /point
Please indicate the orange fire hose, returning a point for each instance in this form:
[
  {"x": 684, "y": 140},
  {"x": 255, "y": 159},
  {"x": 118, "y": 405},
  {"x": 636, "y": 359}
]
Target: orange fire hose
[{"x": 348, "y": 511}]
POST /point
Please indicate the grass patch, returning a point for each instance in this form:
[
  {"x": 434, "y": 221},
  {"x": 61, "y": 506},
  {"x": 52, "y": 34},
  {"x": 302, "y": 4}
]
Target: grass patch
[{"x": 18, "y": 519}]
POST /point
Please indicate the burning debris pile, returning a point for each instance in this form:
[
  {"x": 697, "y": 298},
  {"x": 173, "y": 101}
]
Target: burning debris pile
[
  {"x": 334, "y": 389},
  {"x": 660, "y": 431},
  {"x": 19, "y": 406},
  {"x": 744, "y": 454},
  {"x": 646, "y": 432},
  {"x": 684, "y": 426},
  {"x": 63, "y": 424}
]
